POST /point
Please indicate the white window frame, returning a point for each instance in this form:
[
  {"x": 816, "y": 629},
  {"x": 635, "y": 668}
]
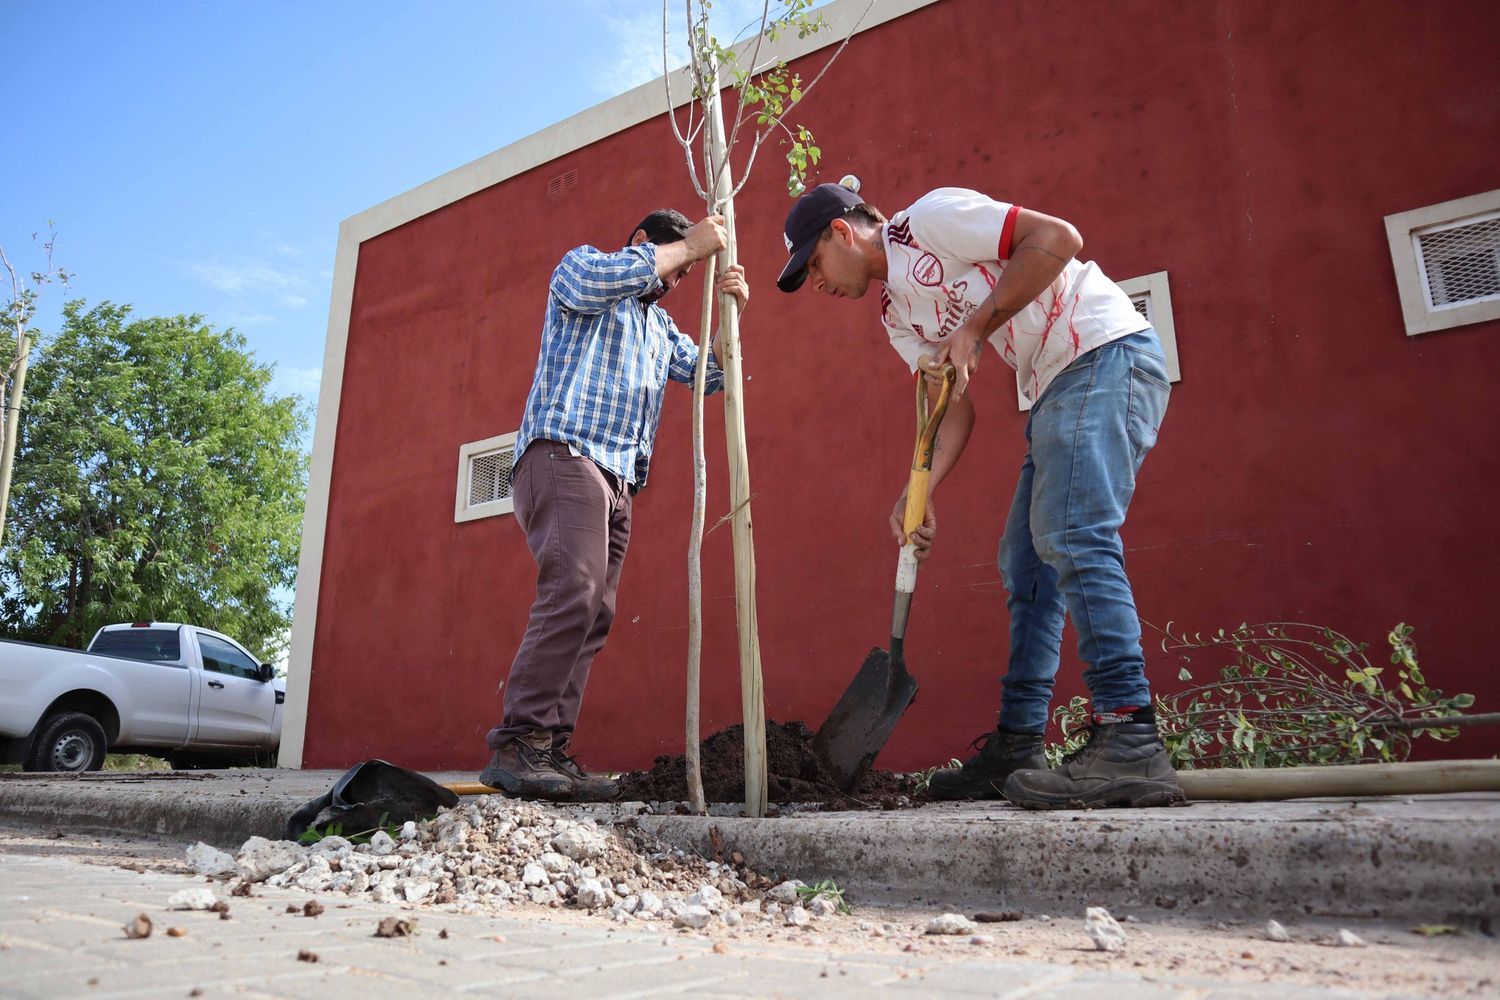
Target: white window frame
[
  {"x": 462, "y": 510},
  {"x": 1402, "y": 230},
  {"x": 1157, "y": 291}
]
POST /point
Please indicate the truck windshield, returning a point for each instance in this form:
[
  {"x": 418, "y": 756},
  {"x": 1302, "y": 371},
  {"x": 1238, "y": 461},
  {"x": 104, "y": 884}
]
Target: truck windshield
[{"x": 153, "y": 644}]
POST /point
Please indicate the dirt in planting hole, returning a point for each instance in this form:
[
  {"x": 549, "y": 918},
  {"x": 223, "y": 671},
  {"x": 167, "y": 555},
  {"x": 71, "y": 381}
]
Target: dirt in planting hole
[{"x": 793, "y": 774}]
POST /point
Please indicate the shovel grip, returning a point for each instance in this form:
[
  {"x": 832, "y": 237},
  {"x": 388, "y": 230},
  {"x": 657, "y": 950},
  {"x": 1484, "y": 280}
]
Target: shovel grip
[
  {"x": 917, "y": 488},
  {"x": 920, "y": 484}
]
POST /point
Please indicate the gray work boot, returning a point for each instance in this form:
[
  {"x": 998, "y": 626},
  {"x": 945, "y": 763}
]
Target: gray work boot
[
  {"x": 586, "y": 787},
  {"x": 1122, "y": 764},
  {"x": 523, "y": 771},
  {"x": 984, "y": 774}
]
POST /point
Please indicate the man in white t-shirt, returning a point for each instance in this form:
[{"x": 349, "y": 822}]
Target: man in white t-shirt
[{"x": 960, "y": 270}]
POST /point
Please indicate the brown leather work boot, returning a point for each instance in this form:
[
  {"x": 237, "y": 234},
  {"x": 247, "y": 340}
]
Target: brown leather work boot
[
  {"x": 982, "y": 776},
  {"x": 587, "y": 787},
  {"x": 1122, "y": 764},
  {"x": 523, "y": 771}
]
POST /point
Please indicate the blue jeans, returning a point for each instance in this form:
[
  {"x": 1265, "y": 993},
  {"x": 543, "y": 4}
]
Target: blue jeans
[{"x": 1085, "y": 440}]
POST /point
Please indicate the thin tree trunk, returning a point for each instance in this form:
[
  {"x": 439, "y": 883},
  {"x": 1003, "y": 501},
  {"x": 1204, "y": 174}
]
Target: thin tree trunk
[
  {"x": 13, "y": 422},
  {"x": 695, "y": 553},
  {"x": 752, "y": 690}
]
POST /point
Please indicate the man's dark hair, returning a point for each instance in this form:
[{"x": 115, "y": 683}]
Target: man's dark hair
[
  {"x": 663, "y": 226},
  {"x": 865, "y": 215}
]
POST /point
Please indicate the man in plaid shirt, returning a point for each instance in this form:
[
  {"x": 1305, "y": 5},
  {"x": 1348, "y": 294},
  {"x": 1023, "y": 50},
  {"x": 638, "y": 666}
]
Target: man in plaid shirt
[{"x": 584, "y": 446}]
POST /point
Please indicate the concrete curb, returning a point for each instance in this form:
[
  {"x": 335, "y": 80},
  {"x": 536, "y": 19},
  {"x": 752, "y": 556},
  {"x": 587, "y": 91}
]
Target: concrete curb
[
  {"x": 1427, "y": 858},
  {"x": 1436, "y": 859}
]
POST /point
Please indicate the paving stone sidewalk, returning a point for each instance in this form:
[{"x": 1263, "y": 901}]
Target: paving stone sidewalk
[{"x": 61, "y": 936}]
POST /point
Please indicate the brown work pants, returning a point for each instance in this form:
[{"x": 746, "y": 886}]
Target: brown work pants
[{"x": 576, "y": 516}]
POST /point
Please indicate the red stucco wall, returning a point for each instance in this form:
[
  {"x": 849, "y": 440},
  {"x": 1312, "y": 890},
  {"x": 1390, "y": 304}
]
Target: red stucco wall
[{"x": 1316, "y": 464}]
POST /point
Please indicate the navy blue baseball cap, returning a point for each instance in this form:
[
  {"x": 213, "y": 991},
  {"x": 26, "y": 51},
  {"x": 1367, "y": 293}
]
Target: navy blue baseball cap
[{"x": 806, "y": 222}]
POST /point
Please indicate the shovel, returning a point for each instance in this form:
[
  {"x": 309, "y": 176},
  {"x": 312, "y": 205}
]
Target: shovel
[{"x": 859, "y": 725}]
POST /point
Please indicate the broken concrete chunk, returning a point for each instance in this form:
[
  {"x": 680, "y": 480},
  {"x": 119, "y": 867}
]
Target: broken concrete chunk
[
  {"x": 823, "y": 906},
  {"x": 332, "y": 846},
  {"x": 381, "y": 843},
  {"x": 414, "y": 890},
  {"x": 191, "y": 899},
  {"x": 555, "y": 863},
  {"x": 786, "y": 892},
  {"x": 982, "y": 939},
  {"x": 591, "y": 894},
  {"x": 797, "y": 917},
  {"x": 732, "y": 918},
  {"x": 1349, "y": 939},
  {"x": 951, "y": 923},
  {"x": 1103, "y": 929},
  {"x": 708, "y": 897},
  {"x": 260, "y": 859},
  {"x": 140, "y": 927},
  {"x": 408, "y": 831},
  {"x": 695, "y": 917},
  {"x": 533, "y": 874},
  {"x": 579, "y": 843},
  {"x": 206, "y": 860},
  {"x": 1276, "y": 932}
]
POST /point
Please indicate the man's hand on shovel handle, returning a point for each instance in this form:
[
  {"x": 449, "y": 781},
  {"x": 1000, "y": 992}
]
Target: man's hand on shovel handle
[
  {"x": 963, "y": 348},
  {"x": 921, "y": 539}
]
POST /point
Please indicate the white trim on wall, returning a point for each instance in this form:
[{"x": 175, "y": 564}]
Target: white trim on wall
[
  {"x": 615, "y": 115},
  {"x": 464, "y": 507},
  {"x": 1404, "y": 232},
  {"x": 1157, "y": 293}
]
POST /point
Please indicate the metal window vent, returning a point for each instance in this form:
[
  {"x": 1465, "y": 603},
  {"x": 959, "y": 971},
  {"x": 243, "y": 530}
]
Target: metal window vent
[
  {"x": 489, "y": 477},
  {"x": 484, "y": 478},
  {"x": 562, "y": 184},
  {"x": 1142, "y": 305},
  {"x": 1460, "y": 262}
]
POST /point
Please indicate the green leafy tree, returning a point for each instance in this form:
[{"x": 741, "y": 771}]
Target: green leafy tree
[{"x": 157, "y": 477}]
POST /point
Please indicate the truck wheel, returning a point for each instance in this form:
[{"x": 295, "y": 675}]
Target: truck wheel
[{"x": 68, "y": 741}]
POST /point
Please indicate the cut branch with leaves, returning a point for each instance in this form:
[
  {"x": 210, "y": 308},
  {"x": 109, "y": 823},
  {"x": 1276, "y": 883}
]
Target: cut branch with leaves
[
  {"x": 765, "y": 93},
  {"x": 1292, "y": 694}
]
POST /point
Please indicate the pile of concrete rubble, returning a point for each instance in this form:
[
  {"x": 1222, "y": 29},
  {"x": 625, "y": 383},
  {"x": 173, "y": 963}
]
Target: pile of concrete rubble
[{"x": 493, "y": 852}]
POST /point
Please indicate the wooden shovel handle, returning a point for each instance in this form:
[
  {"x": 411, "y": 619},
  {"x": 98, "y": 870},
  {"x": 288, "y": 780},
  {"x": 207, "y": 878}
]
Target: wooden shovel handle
[{"x": 919, "y": 485}]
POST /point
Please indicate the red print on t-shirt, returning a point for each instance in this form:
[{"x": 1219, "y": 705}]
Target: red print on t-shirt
[{"x": 928, "y": 270}]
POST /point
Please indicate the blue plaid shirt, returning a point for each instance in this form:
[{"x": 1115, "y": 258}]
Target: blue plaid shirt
[{"x": 605, "y": 361}]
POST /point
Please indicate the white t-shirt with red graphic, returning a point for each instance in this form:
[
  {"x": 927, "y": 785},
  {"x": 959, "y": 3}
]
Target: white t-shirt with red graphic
[{"x": 944, "y": 255}]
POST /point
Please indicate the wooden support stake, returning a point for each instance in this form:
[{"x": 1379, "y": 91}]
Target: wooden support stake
[
  {"x": 752, "y": 690},
  {"x": 695, "y": 555},
  {"x": 1427, "y": 777}
]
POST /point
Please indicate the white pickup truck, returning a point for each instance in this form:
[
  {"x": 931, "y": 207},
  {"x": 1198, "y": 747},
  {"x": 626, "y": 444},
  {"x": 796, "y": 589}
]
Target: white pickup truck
[{"x": 191, "y": 695}]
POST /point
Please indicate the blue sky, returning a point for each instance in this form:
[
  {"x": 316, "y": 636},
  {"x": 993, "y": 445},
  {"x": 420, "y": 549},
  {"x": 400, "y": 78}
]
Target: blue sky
[{"x": 199, "y": 156}]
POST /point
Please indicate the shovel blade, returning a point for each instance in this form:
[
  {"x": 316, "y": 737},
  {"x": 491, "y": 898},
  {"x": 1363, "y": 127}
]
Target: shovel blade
[{"x": 859, "y": 725}]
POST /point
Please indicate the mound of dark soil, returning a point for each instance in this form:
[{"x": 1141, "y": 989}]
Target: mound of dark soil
[{"x": 793, "y": 774}]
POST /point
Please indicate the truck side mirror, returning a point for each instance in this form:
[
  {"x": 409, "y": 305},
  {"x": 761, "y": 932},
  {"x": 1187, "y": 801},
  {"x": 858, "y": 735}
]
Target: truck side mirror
[{"x": 267, "y": 671}]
